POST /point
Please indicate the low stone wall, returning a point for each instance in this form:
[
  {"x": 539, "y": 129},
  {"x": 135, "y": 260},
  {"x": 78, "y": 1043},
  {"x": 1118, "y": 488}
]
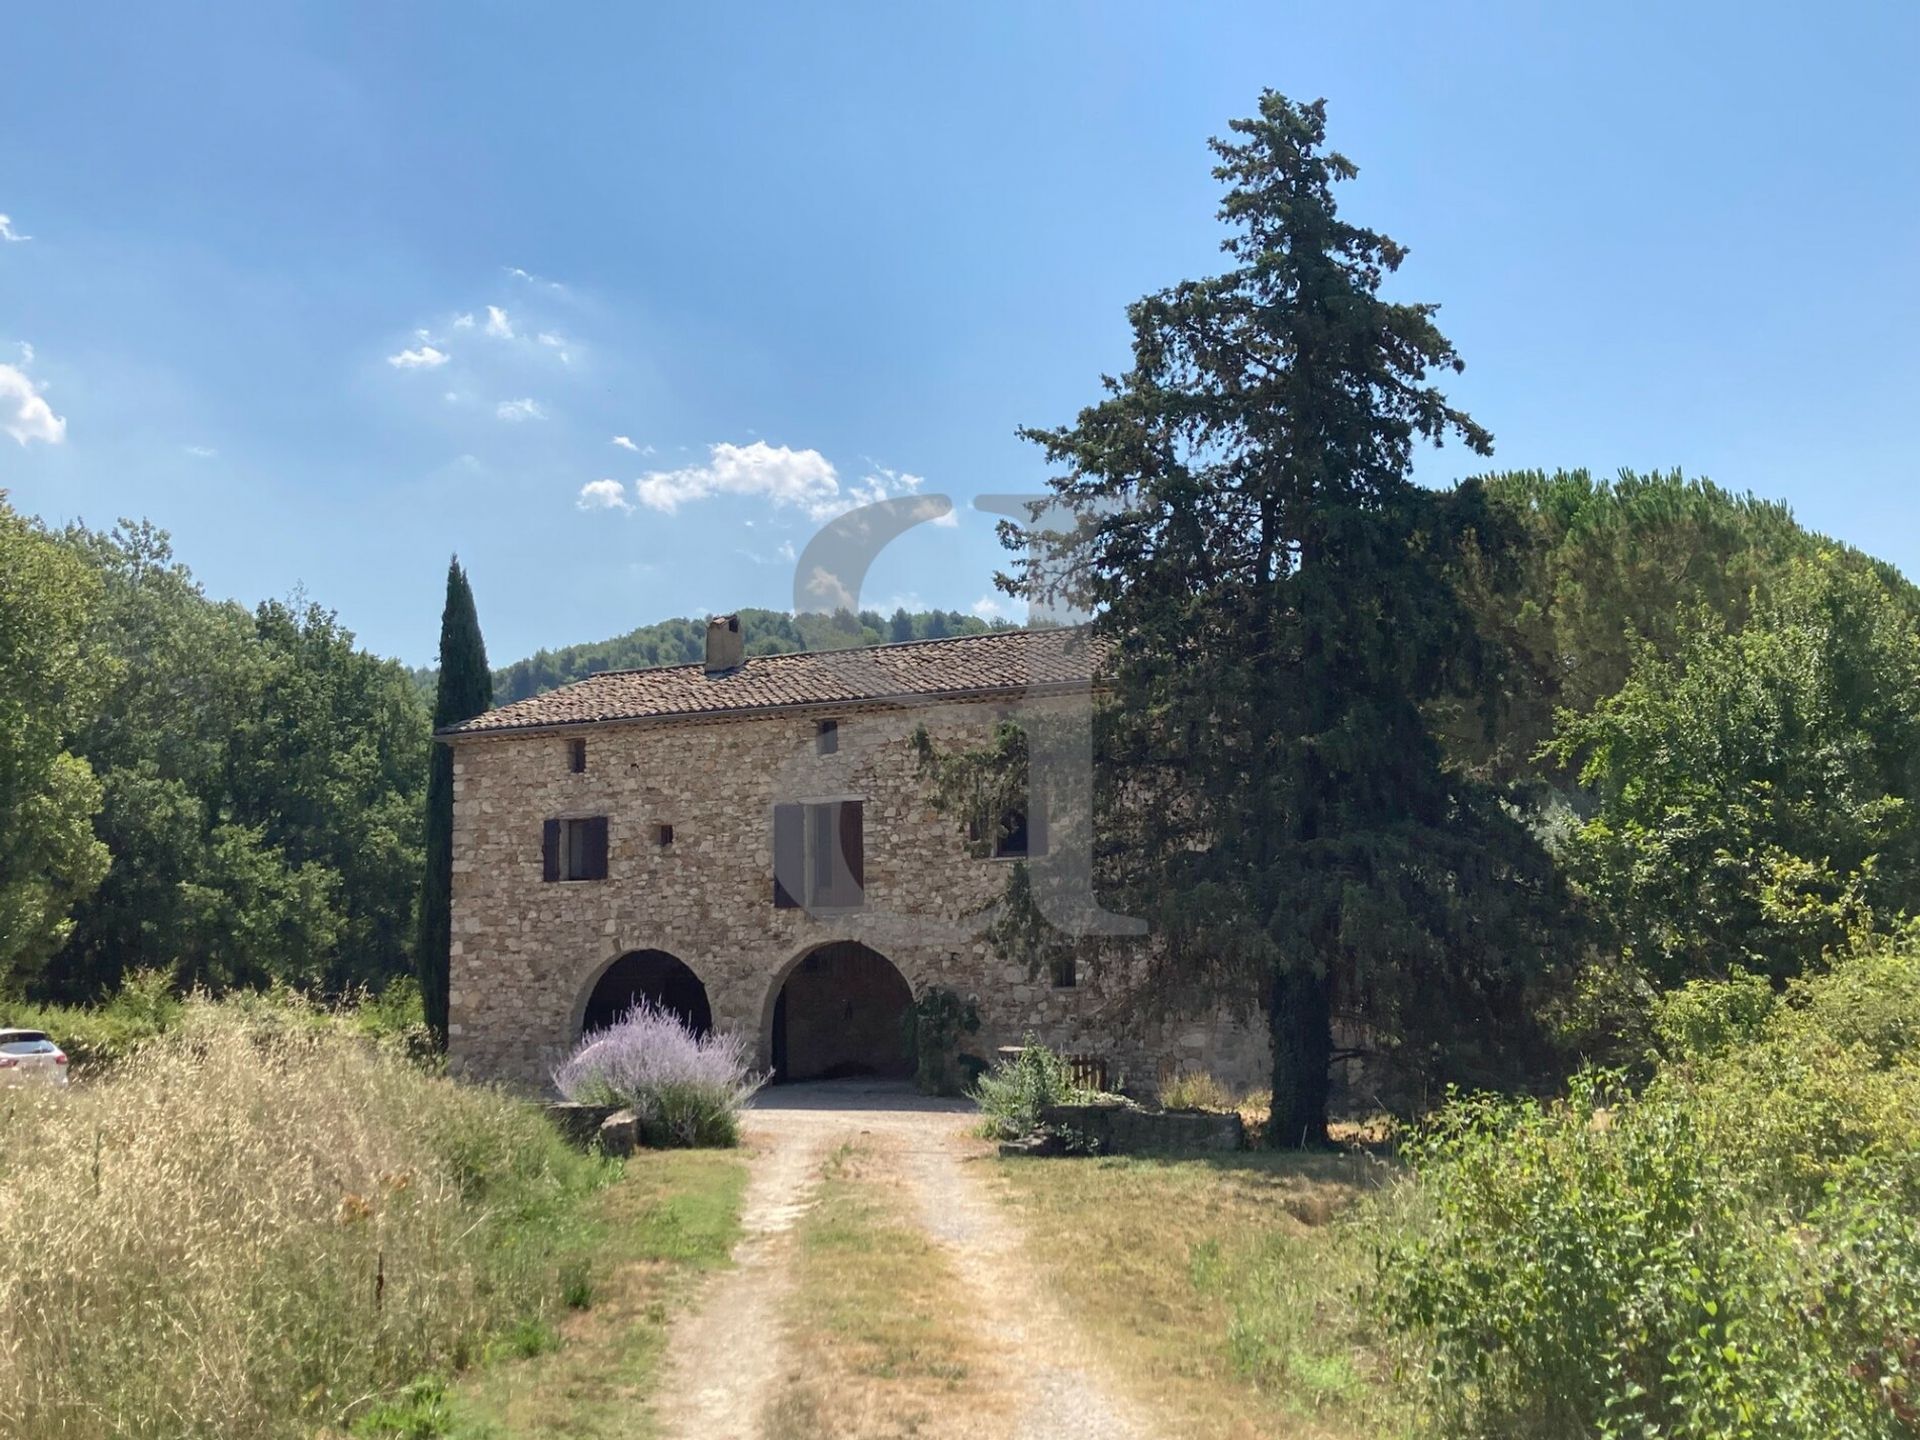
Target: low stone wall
[{"x": 1130, "y": 1130}]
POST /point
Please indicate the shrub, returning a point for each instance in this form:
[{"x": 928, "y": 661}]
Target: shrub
[
  {"x": 683, "y": 1089},
  {"x": 1734, "y": 1251},
  {"x": 96, "y": 1036},
  {"x": 1014, "y": 1092},
  {"x": 1195, "y": 1090},
  {"x": 249, "y": 1230},
  {"x": 933, "y": 1026}
]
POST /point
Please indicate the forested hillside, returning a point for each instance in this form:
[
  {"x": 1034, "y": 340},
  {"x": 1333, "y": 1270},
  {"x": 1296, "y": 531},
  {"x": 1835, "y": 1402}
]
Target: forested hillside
[{"x": 682, "y": 640}]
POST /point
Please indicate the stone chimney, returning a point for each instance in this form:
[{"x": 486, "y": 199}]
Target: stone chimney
[{"x": 726, "y": 645}]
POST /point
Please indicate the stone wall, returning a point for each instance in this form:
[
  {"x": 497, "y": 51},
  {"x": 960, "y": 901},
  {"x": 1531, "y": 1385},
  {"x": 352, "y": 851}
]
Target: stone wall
[{"x": 527, "y": 953}]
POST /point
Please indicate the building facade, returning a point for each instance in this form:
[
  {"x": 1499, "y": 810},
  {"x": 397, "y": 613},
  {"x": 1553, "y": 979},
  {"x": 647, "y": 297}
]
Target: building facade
[{"x": 752, "y": 843}]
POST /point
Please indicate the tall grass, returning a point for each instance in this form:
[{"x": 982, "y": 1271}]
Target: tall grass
[{"x": 256, "y": 1226}]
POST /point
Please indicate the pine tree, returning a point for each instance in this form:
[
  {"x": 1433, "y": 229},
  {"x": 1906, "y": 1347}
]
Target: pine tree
[
  {"x": 1276, "y": 593},
  {"x": 465, "y": 690}
]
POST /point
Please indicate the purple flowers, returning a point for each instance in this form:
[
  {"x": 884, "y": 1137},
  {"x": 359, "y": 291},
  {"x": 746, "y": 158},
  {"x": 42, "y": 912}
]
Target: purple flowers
[{"x": 683, "y": 1089}]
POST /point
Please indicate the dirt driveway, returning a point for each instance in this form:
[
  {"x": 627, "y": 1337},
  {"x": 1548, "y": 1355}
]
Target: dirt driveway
[{"x": 731, "y": 1355}]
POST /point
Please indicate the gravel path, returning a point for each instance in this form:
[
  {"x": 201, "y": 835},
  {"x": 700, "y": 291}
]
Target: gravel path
[{"x": 921, "y": 1148}]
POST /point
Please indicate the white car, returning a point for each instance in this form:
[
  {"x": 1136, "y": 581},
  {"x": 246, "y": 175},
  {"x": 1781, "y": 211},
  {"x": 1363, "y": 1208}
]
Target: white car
[{"x": 27, "y": 1056}]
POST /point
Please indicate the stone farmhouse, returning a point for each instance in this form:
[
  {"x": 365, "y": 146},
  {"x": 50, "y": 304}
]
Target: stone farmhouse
[{"x": 750, "y": 843}]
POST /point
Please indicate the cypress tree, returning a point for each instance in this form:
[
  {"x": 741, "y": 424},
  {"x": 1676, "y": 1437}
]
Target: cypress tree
[
  {"x": 466, "y": 690},
  {"x": 1271, "y": 798}
]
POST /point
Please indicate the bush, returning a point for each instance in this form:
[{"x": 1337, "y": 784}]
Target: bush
[
  {"x": 1195, "y": 1090},
  {"x": 94, "y": 1037},
  {"x": 683, "y": 1089},
  {"x": 1014, "y": 1092},
  {"x": 933, "y": 1026},
  {"x": 254, "y": 1229},
  {"x": 1733, "y": 1251}
]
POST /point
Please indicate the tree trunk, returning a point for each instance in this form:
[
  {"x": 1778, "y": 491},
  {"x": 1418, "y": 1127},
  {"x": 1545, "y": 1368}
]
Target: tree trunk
[{"x": 1301, "y": 1021}]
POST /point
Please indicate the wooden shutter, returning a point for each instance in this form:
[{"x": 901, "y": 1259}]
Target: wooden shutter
[
  {"x": 789, "y": 855},
  {"x": 853, "y": 853},
  {"x": 596, "y": 866},
  {"x": 550, "y": 851}
]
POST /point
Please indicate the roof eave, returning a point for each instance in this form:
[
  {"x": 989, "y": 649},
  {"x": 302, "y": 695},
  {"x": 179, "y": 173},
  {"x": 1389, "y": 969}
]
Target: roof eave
[{"x": 450, "y": 734}]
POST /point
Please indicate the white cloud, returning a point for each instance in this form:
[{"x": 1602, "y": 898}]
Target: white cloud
[
  {"x": 26, "y": 353},
  {"x": 201, "y": 452},
  {"x": 8, "y": 233},
  {"x": 425, "y": 358},
  {"x": 463, "y": 322},
  {"x": 626, "y": 443},
  {"x": 992, "y": 606},
  {"x": 551, "y": 340},
  {"x": 603, "y": 495},
  {"x": 803, "y": 480},
  {"x": 23, "y": 414},
  {"x": 537, "y": 280},
  {"x": 787, "y": 552},
  {"x": 498, "y": 326},
  {"x": 520, "y": 410}
]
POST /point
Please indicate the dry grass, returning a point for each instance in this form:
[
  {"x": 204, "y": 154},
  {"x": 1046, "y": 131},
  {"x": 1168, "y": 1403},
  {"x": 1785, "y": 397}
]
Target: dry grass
[
  {"x": 672, "y": 1217},
  {"x": 881, "y": 1347},
  {"x": 1220, "y": 1287},
  {"x": 258, "y": 1229}
]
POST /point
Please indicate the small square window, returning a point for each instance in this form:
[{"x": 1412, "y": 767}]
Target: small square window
[
  {"x": 663, "y": 835},
  {"x": 577, "y": 756},
  {"x": 826, "y": 738},
  {"x": 1066, "y": 972}
]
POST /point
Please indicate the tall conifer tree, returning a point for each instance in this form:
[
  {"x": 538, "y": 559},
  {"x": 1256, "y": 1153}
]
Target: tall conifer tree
[
  {"x": 466, "y": 690},
  {"x": 1275, "y": 589}
]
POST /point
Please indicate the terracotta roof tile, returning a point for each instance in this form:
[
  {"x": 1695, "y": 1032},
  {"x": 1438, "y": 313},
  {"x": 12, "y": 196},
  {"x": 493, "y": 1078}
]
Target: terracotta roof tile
[{"x": 1000, "y": 662}]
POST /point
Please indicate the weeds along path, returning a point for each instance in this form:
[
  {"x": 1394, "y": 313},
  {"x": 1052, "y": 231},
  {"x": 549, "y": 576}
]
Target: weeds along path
[{"x": 904, "y": 1306}]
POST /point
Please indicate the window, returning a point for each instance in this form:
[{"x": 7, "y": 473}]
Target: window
[
  {"x": 1066, "y": 971},
  {"x": 574, "y": 849},
  {"x": 1020, "y": 835},
  {"x": 819, "y": 855},
  {"x": 663, "y": 835},
  {"x": 826, "y": 738},
  {"x": 577, "y": 756}
]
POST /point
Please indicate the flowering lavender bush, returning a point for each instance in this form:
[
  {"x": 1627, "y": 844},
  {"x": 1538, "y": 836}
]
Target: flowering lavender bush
[{"x": 684, "y": 1089}]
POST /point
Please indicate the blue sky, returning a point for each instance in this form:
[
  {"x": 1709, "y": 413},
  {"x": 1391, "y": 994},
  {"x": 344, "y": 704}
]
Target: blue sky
[{"x": 802, "y": 254}]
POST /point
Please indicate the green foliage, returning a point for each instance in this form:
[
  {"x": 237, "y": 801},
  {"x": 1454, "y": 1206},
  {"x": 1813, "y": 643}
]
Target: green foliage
[
  {"x": 260, "y": 784},
  {"x": 143, "y": 1008},
  {"x": 1755, "y": 793},
  {"x": 933, "y": 1026},
  {"x": 1013, "y": 1093},
  {"x": 1598, "y": 571},
  {"x": 683, "y": 641},
  {"x": 421, "y": 1411},
  {"x": 465, "y": 689},
  {"x": 49, "y": 858},
  {"x": 1732, "y": 1252},
  {"x": 1282, "y": 612}
]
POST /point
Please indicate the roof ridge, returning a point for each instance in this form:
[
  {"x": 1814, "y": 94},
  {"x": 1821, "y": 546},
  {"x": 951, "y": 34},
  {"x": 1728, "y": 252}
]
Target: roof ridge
[{"x": 835, "y": 650}]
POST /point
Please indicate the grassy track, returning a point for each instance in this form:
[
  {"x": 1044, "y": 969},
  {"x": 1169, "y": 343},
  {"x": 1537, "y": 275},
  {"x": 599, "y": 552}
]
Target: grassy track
[
  {"x": 672, "y": 1216},
  {"x": 1221, "y": 1287}
]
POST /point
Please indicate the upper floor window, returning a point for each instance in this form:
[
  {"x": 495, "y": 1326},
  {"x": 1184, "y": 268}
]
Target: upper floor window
[
  {"x": 574, "y": 849},
  {"x": 826, "y": 738},
  {"x": 1019, "y": 834},
  {"x": 577, "y": 756},
  {"x": 819, "y": 855}
]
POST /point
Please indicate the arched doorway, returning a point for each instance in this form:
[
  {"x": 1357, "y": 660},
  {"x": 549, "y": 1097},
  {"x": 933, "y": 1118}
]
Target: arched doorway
[
  {"x": 841, "y": 1012},
  {"x": 648, "y": 975}
]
